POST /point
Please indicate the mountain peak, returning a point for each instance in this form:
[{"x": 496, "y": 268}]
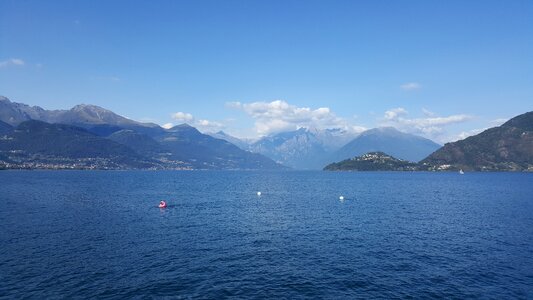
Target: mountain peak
[
  {"x": 523, "y": 121},
  {"x": 382, "y": 130},
  {"x": 90, "y": 107},
  {"x": 221, "y": 133},
  {"x": 184, "y": 129},
  {"x": 241, "y": 143},
  {"x": 182, "y": 126},
  {"x": 388, "y": 128},
  {"x": 4, "y": 99}
]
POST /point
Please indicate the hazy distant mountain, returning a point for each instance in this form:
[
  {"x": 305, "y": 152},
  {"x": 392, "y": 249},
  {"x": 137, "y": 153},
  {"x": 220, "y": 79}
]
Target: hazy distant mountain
[
  {"x": 508, "y": 147},
  {"x": 36, "y": 143},
  {"x": 298, "y": 149},
  {"x": 313, "y": 149},
  {"x": 389, "y": 140},
  {"x": 303, "y": 148},
  {"x": 241, "y": 143},
  {"x": 334, "y": 138}
]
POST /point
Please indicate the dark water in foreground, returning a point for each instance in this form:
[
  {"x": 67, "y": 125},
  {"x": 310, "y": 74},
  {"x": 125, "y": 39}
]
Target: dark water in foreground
[{"x": 100, "y": 235}]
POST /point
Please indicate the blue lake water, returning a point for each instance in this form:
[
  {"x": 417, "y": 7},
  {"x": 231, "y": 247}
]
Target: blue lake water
[{"x": 99, "y": 234}]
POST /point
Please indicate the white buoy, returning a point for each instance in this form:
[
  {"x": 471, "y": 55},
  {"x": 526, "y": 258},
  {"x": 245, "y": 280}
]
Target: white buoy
[
  {"x": 259, "y": 194},
  {"x": 341, "y": 198}
]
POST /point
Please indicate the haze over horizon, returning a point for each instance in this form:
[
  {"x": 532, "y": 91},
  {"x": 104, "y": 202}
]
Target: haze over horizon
[{"x": 440, "y": 70}]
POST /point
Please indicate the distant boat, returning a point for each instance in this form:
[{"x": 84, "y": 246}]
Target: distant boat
[{"x": 461, "y": 172}]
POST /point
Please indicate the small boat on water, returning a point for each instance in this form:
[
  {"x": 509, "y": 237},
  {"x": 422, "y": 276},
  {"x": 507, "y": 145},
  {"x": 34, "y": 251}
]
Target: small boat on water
[{"x": 461, "y": 172}]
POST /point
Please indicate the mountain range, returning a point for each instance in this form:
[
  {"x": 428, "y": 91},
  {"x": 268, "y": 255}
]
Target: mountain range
[
  {"x": 38, "y": 144},
  {"x": 89, "y": 137},
  {"x": 303, "y": 148},
  {"x": 313, "y": 148},
  {"x": 34, "y": 137},
  {"x": 94, "y": 118},
  {"x": 80, "y": 115},
  {"x": 185, "y": 147},
  {"x": 508, "y": 147}
]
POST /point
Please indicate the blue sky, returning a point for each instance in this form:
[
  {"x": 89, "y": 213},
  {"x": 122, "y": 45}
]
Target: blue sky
[{"x": 442, "y": 69}]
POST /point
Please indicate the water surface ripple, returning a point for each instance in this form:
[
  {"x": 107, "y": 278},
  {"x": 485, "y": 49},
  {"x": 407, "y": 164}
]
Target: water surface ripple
[{"x": 85, "y": 234}]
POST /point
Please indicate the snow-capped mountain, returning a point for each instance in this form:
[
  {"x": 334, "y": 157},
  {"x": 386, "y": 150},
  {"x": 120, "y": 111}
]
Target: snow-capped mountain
[{"x": 303, "y": 148}]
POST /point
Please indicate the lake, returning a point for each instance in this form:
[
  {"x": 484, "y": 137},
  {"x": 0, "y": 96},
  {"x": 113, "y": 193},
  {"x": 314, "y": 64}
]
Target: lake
[{"x": 100, "y": 234}]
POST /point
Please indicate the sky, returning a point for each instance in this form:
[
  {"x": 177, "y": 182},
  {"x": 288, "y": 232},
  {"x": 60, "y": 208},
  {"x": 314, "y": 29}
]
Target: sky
[{"x": 440, "y": 69}]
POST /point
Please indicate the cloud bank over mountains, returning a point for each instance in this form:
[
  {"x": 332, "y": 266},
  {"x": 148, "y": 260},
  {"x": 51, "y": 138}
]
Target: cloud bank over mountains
[
  {"x": 278, "y": 116},
  {"x": 202, "y": 124},
  {"x": 431, "y": 126}
]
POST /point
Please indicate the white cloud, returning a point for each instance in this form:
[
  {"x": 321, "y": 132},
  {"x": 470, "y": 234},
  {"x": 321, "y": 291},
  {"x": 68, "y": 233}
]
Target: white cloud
[
  {"x": 395, "y": 113},
  {"x": 356, "y": 128},
  {"x": 278, "y": 116},
  {"x": 411, "y": 86},
  {"x": 12, "y": 62},
  {"x": 464, "y": 134},
  {"x": 428, "y": 113},
  {"x": 167, "y": 125},
  {"x": 209, "y": 126},
  {"x": 499, "y": 121},
  {"x": 17, "y": 61},
  {"x": 201, "y": 124},
  {"x": 234, "y": 105},
  {"x": 208, "y": 123},
  {"x": 104, "y": 78},
  {"x": 432, "y": 126},
  {"x": 182, "y": 117}
]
